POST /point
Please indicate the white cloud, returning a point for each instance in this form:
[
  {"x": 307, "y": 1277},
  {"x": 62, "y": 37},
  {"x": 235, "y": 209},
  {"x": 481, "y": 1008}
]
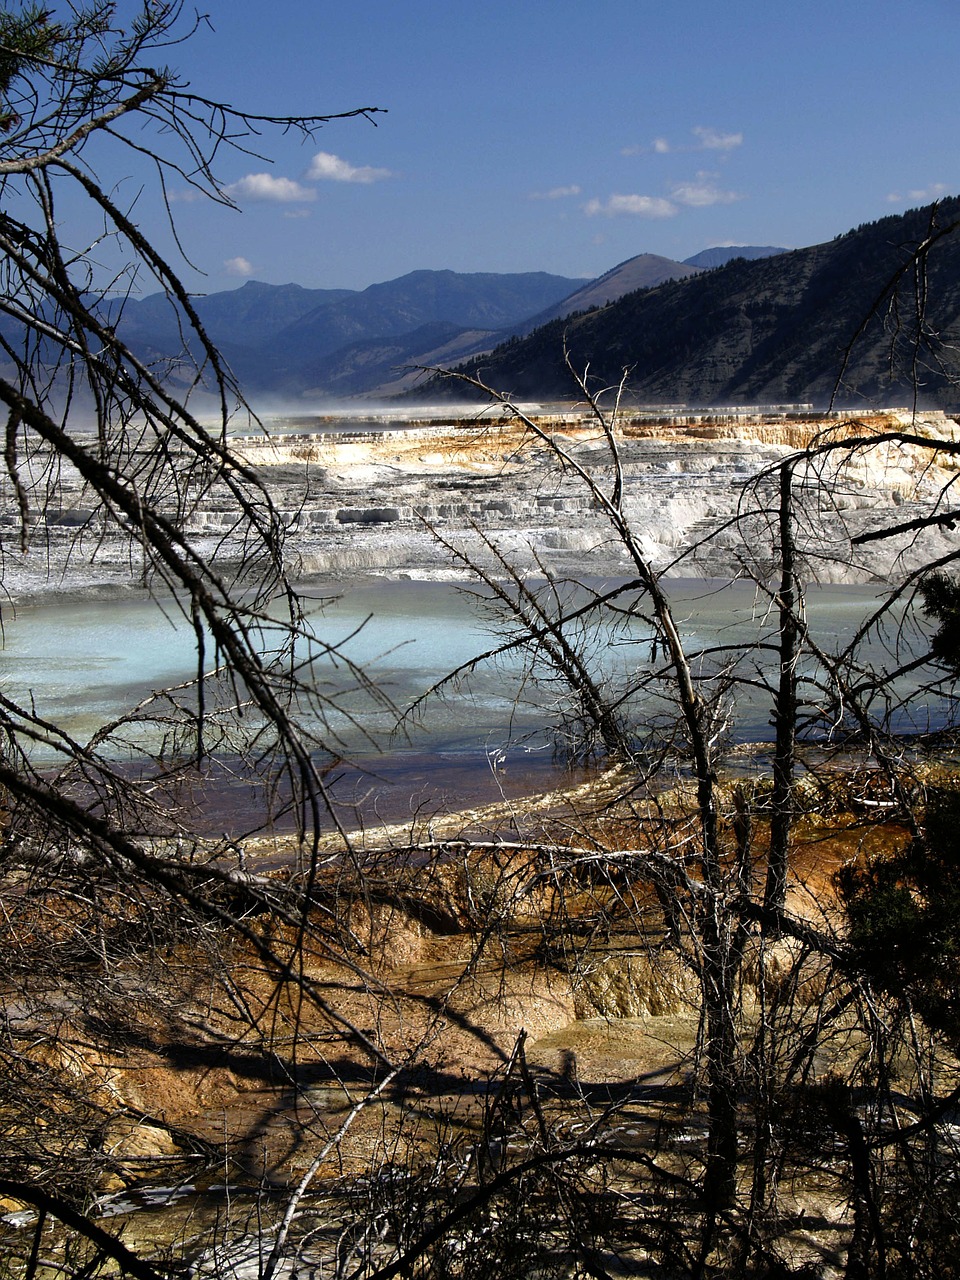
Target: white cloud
[
  {"x": 555, "y": 193},
  {"x": 326, "y": 167},
  {"x": 701, "y": 193},
  {"x": 238, "y": 267},
  {"x": 264, "y": 186},
  {"x": 659, "y": 146},
  {"x": 713, "y": 140},
  {"x": 638, "y": 206},
  {"x": 933, "y": 192},
  {"x": 707, "y": 140}
]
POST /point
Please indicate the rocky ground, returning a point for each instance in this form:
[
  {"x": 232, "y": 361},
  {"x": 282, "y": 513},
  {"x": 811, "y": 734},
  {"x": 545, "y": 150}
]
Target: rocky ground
[
  {"x": 693, "y": 491},
  {"x": 457, "y": 960}
]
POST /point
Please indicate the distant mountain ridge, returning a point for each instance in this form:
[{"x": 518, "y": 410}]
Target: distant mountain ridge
[
  {"x": 644, "y": 271},
  {"x": 294, "y": 341},
  {"x": 796, "y": 326},
  {"x": 252, "y": 314},
  {"x": 485, "y": 301},
  {"x": 278, "y": 337}
]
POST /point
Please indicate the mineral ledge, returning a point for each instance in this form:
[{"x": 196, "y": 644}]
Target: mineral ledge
[{"x": 419, "y": 501}]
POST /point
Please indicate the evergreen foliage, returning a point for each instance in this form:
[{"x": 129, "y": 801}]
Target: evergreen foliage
[
  {"x": 940, "y": 594},
  {"x": 904, "y": 918}
]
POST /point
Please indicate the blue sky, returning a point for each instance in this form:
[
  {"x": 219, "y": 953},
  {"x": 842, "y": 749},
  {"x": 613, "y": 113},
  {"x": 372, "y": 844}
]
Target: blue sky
[{"x": 563, "y": 137}]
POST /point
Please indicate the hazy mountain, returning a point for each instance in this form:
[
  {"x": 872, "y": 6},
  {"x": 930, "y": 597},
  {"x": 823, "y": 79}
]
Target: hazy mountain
[
  {"x": 381, "y": 367},
  {"x": 388, "y": 365},
  {"x": 276, "y": 337},
  {"x": 351, "y": 369},
  {"x": 244, "y": 317},
  {"x": 719, "y": 256},
  {"x": 641, "y": 272},
  {"x": 778, "y": 329},
  {"x": 480, "y": 300},
  {"x": 765, "y": 324}
]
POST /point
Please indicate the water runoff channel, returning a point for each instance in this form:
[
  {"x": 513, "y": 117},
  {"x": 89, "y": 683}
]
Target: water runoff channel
[{"x": 82, "y": 662}]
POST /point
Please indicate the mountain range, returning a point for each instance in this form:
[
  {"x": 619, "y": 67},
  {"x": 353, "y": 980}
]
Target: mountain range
[
  {"x": 853, "y": 321},
  {"x": 285, "y": 339},
  {"x": 295, "y": 342}
]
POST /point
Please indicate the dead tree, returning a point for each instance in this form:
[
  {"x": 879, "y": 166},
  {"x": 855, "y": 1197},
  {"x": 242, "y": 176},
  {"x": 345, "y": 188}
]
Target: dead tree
[
  {"x": 103, "y": 876},
  {"x": 763, "y": 1085}
]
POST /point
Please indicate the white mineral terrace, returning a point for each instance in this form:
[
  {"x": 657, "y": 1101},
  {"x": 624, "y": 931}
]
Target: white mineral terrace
[{"x": 392, "y": 501}]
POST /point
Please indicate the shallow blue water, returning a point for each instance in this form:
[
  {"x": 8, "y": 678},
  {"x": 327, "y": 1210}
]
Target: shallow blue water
[{"x": 85, "y": 662}]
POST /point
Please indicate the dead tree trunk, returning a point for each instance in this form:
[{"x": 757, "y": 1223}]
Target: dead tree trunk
[{"x": 785, "y": 706}]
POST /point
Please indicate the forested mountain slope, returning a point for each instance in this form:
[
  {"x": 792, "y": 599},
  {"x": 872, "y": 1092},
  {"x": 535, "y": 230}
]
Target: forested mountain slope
[{"x": 800, "y": 326}]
